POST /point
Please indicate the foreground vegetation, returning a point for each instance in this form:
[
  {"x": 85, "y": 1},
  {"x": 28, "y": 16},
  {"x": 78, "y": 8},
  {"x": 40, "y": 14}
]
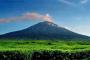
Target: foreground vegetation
[
  {"x": 44, "y": 50},
  {"x": 31, "y": 45}
]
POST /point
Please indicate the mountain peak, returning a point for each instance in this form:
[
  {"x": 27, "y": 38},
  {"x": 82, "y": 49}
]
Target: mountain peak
[{"x": 48, "y": 23}]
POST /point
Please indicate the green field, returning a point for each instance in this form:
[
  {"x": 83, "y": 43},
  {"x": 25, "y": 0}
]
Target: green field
[
  {"x": 44, "y": 50},
  {"x": 40, "y": 45}
]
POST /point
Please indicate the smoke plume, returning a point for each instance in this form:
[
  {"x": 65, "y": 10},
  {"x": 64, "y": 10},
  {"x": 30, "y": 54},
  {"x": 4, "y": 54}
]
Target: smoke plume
[{"x": 27, "y": 16}]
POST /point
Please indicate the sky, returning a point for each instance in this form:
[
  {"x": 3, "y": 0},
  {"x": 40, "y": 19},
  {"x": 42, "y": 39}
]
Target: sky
[{"x": 20, "y": 14}]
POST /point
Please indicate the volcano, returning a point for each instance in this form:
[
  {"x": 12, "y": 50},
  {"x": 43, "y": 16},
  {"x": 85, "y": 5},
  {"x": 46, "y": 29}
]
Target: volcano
[{"x": 44, "y": 30}]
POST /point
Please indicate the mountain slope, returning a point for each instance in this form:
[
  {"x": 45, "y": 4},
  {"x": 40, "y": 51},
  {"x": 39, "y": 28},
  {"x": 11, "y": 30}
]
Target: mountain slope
[{"x": 44, "y": 30}]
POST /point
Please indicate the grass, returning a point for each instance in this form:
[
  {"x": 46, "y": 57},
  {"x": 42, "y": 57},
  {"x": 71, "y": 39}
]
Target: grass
[
  {"x": 44, "y": 50},
  {"x": 41, "y": 45}
]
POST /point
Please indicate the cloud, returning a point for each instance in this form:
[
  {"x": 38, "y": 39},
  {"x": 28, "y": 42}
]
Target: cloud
[
  {"x": 79, "y": 5},
  {"x": 36, "y": 16},
  {"x": 28, "y": 16},
  {"x": 68, "y": 3},
  {"x": 84, "y": 1}
]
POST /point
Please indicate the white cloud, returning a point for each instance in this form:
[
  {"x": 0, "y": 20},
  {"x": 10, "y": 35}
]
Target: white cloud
[
  {"x": 81, "y": 2},
  {"x": 68, "y": 3},
  {"x": 84, "y": 1}
]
